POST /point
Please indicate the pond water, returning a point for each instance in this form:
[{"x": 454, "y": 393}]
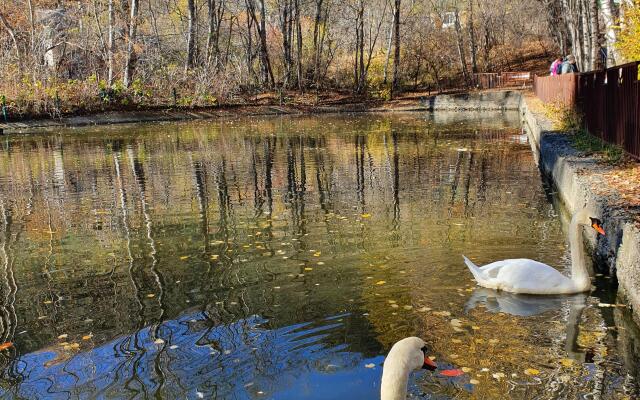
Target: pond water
[{"x": 281, "y": 257}]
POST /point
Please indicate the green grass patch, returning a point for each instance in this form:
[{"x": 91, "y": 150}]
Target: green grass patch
[
  {"x": 567, "y": 119},
  {"x": 584, "y": 141}
]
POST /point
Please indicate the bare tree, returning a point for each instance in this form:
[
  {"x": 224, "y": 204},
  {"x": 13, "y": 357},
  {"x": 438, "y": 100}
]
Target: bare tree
[{"x": 131, "y": 38}]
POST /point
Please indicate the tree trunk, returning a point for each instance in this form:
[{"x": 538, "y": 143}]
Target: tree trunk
[
  {"x": 463, "y": 61},
  {"x": 267, "y": 72},
  {"x": 606, "y": 6},
  {"x": 191, "y": 35},
  {"x": 395, "y": 87},
  {"x": 285, "y": 27},
  {"x": 110, "y": 44},
  {"x": 317, "y": 44},
  {"x": 299, "y": 46},
  {"x": 12, "y": 34},
  {"x": 595, "y": 34},
  {"x": 472, "y": 39},
  {"x": 131, "y": 38},
  {"x": 388, "y": 52},
  {"x": 587, "y": 62}
]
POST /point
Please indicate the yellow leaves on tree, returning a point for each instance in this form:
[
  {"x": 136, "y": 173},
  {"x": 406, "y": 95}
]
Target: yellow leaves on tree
[{"x": 629, "y": 37}]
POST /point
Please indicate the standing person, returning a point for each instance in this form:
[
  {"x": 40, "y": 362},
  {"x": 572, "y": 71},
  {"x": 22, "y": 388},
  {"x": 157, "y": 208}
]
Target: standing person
[
  {"x": 555, "y": 67},
  {"x": 569, "y": 65}
]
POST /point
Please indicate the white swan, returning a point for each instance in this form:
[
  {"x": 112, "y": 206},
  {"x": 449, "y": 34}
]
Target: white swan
[
  {"x": 532, "y": 277},
  {"x": 404, "y": 357}
]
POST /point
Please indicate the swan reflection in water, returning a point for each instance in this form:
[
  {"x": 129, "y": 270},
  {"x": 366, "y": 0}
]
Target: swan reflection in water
[{"x": 523, "y": 305}]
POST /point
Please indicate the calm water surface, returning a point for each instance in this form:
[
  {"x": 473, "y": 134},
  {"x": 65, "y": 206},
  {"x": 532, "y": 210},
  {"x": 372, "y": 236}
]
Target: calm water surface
[{"x": 281, "y": 257}]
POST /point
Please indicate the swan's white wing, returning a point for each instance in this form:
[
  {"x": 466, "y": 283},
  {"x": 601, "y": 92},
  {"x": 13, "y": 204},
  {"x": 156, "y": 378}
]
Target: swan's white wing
[
  {"x": 529, "y": 276},
  {"x": 526, "y": 276}
]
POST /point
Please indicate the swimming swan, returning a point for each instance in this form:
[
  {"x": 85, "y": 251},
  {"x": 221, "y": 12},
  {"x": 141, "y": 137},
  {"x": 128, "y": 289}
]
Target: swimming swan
[
  {"x": 404, "y": 357},
  {"x": 532, "y": 277}
]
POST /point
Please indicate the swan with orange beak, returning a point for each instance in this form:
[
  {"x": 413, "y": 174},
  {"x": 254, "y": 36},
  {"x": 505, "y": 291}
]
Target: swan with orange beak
[{"x": 406, "y": 356}]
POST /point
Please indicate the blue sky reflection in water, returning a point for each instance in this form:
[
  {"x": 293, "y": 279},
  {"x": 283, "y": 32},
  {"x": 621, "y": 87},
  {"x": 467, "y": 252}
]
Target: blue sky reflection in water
[{"x": 280, "y": 257}]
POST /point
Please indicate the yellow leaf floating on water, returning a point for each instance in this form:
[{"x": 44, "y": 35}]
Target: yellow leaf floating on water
[
  {"x": 381, "y": 282},
  {"x": 150, "y": 295},
  {"x": 466, "y": 369},
  {"x": 87, "y": 337},
  {"x": 317, "y": 254},
  {"x": 366, "y": 215},
  {"x": 63, "y": 336},
  {"x": 308, "y": 269},
  {"x": 567, "y": 362},
  {"x": 531, "y": 371},
  {"x": 184, "y": 257},
  {"x": 214, "y": 256}
]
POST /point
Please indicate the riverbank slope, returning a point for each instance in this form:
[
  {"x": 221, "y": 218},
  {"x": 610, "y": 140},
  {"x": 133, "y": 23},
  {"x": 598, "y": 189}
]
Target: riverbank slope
[{"x": 496, "y": 100}]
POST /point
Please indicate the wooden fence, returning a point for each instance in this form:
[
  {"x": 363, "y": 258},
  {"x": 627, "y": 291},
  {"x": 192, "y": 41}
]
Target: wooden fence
[
  {"x": 490, "y": 80},
  {"x": 609, "y": 101}
]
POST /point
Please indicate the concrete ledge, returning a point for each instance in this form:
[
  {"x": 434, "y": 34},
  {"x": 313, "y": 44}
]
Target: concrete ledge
[
  {"x": 498, "y": 100},
  {"x": 579, "y": 182}
]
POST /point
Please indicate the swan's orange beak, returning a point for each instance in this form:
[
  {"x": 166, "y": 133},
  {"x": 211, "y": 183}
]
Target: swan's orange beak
[
  {"x": 597, "y": 225},
  {"x": 428, "y": 364},
  {"x": 598, "y": 228}
]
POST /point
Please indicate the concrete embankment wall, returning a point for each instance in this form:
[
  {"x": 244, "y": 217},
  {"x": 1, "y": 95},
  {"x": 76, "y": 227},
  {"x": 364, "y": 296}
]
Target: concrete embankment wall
[
  {"x": 498, "y": 100},
  {"x": 579, "y": 184}
]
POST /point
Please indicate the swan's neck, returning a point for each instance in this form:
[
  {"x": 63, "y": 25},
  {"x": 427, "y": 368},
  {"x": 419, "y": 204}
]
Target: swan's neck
[
  {"x": 579, "y": 272},
  {"x": 395, "y": 379}
]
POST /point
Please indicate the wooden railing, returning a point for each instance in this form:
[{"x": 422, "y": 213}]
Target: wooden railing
[
  {"x": 490, "y": 80},
  {"x": 608, "y": 100}
]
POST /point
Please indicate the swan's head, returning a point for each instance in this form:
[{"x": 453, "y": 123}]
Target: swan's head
[
  {"x": 409, "y": 354},
  {"x": 584, "y": 217},
  {"x": 597, "y": 225}
]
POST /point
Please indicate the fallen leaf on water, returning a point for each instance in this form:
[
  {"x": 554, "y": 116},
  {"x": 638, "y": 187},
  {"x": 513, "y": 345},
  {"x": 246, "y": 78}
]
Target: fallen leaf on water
[
  {"x": 87, "y": 337},
  {"x": 308, "y": 269},
  {"x": 531, "y": 371},
  {"x": 567, "y": 362},
  {"x": 407, "y": 307},
  {"x": 366, "y": 215},
  {"x": 214, "y": 256},
  {"x": 158, "y": 341},
  {"x": 150, "y": 295},
  {"x": 317, "y": 254},
  {"x": 424, "y": 309},
  {"x": 63, "y": 336},
  {"x": 5, "y": 345},
  {"x": 369, "y": 365},
  {"x": 451, "y": 372},
  {"x": 184, "y": 257},
  {"x": 465, "y": 369},
  {"x": 498, "y": 375},
  {"x": 474, "y": 381},
  {"x": 381, "y": 282}
]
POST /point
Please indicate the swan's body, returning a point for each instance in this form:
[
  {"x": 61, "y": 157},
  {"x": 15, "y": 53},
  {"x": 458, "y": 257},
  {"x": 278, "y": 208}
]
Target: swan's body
[
  {"x": 526, "y": 276},
  {"x": 404, "y": 357}
]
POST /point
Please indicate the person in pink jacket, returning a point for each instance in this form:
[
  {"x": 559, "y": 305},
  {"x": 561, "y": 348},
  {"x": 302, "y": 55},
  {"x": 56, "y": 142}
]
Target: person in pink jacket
[{"x": 555, "y": 67}]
